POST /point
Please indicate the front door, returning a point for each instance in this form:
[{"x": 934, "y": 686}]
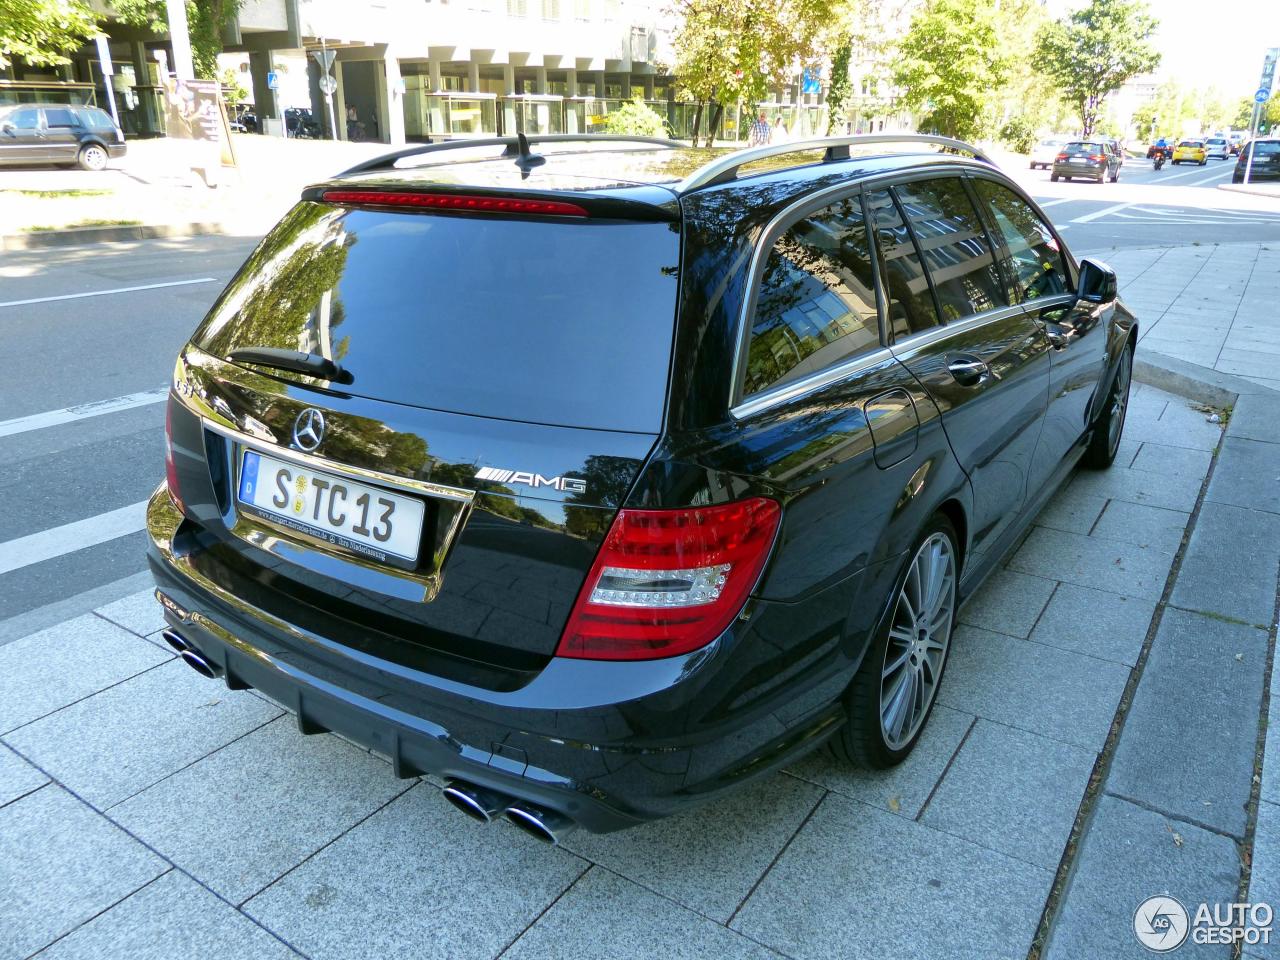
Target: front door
[
  {"x": 1038, "y": 279},
  {"x": 985, "y": 364},
  {"x": 22, "y": 137}
]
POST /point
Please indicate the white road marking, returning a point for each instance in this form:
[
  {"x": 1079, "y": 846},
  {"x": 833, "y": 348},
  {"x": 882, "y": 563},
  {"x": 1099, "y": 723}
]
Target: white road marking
[
  {"x": 70, "y": 537},
  {"x": 1054, "y": 203},
  {"x": 52, "y": 418},
  {"x": 1105, "y": 211},
  {"x": 103, "y": 293}
]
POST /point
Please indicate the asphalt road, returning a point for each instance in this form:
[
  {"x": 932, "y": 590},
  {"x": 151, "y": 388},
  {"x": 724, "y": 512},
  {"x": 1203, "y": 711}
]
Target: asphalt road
[{"x": 101, "y": 326}]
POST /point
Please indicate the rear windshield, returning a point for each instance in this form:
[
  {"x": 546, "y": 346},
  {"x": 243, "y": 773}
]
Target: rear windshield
[
  {"x": 1191, "y": 143},
  {"x": 1217, "y": 141},
  {"x": 1078, "y": 146},
  {"x": 1268, "y": 148},
  {"x": 561, "y": 322}
]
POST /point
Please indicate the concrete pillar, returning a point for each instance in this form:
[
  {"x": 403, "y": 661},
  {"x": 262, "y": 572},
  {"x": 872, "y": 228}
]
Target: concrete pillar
[
  {"x": 392, "y": 102},
  {"x": 671, "y": 110},
  {"x": 647, "y": 80},
  {"x": 571, "y": 81},
  {"x": 264, "y": 98},
  {"x": 433, "y": 75},
  {"x": 509, "y": 127},
  {"x": 540, "y": 80},
  {"x": 626, "y": 85},
  {"x": 473, "y": 77},
  {"x": 597, "y": 77}
]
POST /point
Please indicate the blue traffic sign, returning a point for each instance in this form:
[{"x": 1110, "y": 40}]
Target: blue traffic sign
[
  {"x": 1262, "y": 96},
  {"x": 273, "y": 79}
]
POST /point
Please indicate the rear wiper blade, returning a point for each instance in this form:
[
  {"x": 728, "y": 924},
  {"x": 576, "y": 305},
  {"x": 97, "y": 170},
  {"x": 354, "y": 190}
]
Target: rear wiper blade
[{"x": 311, "y": 364}]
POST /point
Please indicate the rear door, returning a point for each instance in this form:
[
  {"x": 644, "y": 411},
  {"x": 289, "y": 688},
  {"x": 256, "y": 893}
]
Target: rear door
[
  {"x": 982, "y": 360},
  {"x": 62, "y": 133},
  {"x": 1038, "y": 278}
]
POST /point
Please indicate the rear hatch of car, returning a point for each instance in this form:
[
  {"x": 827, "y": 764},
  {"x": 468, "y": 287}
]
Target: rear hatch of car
[
  {"x": 1082, "y": 153},
  {"x": 409, "y": 420}
]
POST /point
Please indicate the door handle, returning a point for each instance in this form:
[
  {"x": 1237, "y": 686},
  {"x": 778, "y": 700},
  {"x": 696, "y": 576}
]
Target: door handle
[{"x": 968, "y": 371}]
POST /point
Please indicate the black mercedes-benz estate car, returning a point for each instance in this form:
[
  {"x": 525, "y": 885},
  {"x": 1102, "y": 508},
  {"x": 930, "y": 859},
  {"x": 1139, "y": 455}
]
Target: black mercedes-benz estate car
[{"x": 598, "y": 478}]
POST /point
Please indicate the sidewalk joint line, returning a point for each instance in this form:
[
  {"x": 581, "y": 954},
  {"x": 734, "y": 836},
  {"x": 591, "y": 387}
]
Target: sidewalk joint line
[
  {"x": 822, "y": 798},
  {"x": 946, "y": 769}
]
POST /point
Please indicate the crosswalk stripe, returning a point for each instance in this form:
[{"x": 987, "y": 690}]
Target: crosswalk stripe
[
  {"x": 96, "y": 408},
  {"x": 70, "y": 537}
]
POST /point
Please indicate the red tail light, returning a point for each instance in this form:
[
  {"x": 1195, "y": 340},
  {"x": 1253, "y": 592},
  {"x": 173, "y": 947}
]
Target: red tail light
[
  {"x": 170, "y": 467},
  {"x": 1061, "y": 156},
  {"x": 1098, "y": 157},
  {"x": 669, "y": 581},
  {"x": 453, "y": 201}
]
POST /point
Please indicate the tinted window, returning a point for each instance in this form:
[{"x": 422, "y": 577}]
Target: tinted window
[
  {"x": 1191, "y": 143},
  {"x": 60, "y": 117},
  {"x": 1080, "y": 146},
  {"x": 94, "y": 118},
  {"x": 25, "y": 119},
  {"x": 910, "y": 301},
  {"x": 561, "y": 322},
  {"x": 1031, "y": 261},
  {"x": 817, "y": 303},
  {"x": 1267, "y": 148},
  {"x": 956, "y": 251}
]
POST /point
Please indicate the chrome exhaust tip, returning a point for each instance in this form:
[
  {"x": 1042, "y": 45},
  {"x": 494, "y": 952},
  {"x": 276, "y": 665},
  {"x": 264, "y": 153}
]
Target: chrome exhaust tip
[
  {"x": 544, "y": 825},
  {"x": 176, "y": 640},
  {"x": 193, "y": 659},
  {"x": 477, "y": 803}
]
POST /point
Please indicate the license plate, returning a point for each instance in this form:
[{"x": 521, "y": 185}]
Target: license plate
[
  {"x": 1079, "y": 160},
  {"x": 371, "y": 521}
]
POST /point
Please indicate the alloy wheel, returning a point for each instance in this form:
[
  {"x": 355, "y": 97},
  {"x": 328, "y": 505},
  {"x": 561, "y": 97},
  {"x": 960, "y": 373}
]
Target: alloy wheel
[
  {"x": 95, "y": 158},
  {"x": 918, "y": 641}
]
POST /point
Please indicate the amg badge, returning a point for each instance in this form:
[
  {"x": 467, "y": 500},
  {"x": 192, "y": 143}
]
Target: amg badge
[{"x": 498, "y": 475}]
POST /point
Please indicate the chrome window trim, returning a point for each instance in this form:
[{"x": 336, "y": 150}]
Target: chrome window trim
[
  {"x": 925, "y": 337},
  {"x": 812, "y": 383}
]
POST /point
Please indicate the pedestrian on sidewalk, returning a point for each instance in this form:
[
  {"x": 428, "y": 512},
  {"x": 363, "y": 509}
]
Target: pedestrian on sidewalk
[{"x": 760, "y": 131}]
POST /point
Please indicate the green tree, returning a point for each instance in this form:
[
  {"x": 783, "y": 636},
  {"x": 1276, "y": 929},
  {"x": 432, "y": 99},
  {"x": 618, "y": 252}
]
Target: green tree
[
  {"x": 1091, "y": 53},
  {"x": 205, "y": 22},
  {"x": 636, "y": 119},
  {"x": 43, "y": 32},
  {"x": 841, "y": 85},
  {"x": 953, "y": 65}
]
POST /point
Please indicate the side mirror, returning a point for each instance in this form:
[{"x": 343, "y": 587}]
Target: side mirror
[
  {"x": 1097, "y": 282},
  {"x": 7, "y": 128}
]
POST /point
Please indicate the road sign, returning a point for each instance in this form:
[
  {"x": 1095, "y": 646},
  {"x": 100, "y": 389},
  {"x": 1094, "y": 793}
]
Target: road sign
[
  {"x": 328, "y": 85},
  {"x": 273, "y": 80},
  {"x": 1262, "y": 96},
  {"x": 324, "y": 58}
]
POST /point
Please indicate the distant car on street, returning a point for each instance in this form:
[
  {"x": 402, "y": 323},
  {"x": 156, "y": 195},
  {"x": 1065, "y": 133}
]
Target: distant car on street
[
  {"x": 1236, "y": 141},
  {"x": 35, "y": 134},
  {"x": 1088, "y": 160},
  {"x": 1217, "y": 148},
  {"x": 1043, "y": 153},
  {"x": 1190, "y": 151},
  {"x": 1266, "y": 160}
]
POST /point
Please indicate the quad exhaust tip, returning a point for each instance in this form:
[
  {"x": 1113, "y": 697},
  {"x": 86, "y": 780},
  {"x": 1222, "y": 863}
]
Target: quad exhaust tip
[
  {"x": 192, "y": 657},
  {"x": 477, "y": 803},
  {"x": 176, "y": 640},
  {"x": 542, "y": 825}
]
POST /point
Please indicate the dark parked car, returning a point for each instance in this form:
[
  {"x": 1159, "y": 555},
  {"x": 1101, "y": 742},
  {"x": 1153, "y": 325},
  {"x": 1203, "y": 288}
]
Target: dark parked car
[
  {"x": 597, "y": 487},
  {"x": 1088, "y": 159},
  {"x": 1266, "y": 161},
  {"x": 43, "y": 133}
]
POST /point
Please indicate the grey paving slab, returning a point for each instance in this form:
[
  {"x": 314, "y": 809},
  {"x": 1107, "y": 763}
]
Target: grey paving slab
[
  {"x": 1247, "y": 475},
  {"x": 17, "y": 777},
  {"x": 1095, "y": 623},
  {"x": 1230, "y": 564},
  {"x": 604, "y": 915},
  {"x": 1247, "y": 362},
  {"x": 710, "y": 858},
  {"x": 60, "y": 864},
  {"x": 1142, "y": 526},
  {"x": 1173, "y": 461},
  {"x": 49, "y": 669},
  {"x": 117, "y": 742},
  {"x": 1009, "y": 602},
  {"x": 1264, "y": 877},
  {"x": 138, "y": 613},
  {"x": 1073, "y": 509},
  {"x": 1052, "y": 692},
  {"x": 1179, "y": 425},
  {"x": 173, "y": 918},
  {"x": 1141, "y": 486},
  {"x": 1110, "y": 565},
  {"x": 902, "y": 789},
  {"x": 416, "y": 880},
  {"x": 860, "y": 883},
  {"x": 1128, "y": 855},
  {"x": 264, "y": 804},
  {"x": 1012, "y": 791},
  {"x": 1194, "y": 684}
]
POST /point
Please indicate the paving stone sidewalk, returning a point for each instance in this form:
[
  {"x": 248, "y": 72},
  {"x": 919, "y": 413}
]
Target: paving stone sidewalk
[{"x": 145, "y": 811}]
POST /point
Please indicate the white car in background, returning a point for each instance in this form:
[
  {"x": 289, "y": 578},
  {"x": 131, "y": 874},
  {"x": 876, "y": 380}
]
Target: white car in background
[
  {"x": 1217, "y": 148},
  {"x": 1046, "y": 151}
]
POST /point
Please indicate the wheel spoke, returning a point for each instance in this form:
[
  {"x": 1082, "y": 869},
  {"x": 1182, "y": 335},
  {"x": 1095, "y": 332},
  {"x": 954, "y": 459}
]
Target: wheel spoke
[
  {"x": 901, "y": 705},
  {"x": 897, "y": 662}
]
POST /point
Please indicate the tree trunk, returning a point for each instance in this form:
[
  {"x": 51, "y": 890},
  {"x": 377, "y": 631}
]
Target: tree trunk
[
  {"x": 717, "y": 114},
  {"x": 697, "y": 123}
]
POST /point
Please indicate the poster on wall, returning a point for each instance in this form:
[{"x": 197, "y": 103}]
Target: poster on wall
[{"x": 195, "y": 112}]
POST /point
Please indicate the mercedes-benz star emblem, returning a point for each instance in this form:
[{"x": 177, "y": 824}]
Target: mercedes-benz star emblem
[{"x": 308, "y": 429}]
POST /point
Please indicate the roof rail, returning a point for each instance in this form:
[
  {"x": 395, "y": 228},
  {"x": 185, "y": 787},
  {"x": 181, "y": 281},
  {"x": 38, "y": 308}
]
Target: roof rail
[
  {"x": 512, "y": 145},
  {"x": 725, "y": 168}
]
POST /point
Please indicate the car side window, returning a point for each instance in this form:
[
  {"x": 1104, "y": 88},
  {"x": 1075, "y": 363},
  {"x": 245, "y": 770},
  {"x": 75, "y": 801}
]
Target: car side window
[
  {"x": 908, "y": 299},
  {"x": 1032, "y": 261},
  {"x": 956, "y": 250},
  {"x": 25, "y": 119},
  {"x": 60, "y": 117},
  {"x": 817, "y": 302}
]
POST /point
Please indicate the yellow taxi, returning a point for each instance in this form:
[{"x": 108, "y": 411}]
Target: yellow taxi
[{"x": 1190, "y": 151}]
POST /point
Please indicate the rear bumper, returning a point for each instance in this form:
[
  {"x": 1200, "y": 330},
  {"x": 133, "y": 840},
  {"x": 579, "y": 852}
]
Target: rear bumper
[
  {"x": 585, "y": 739},
  {"x": 116, "y": 150},
  {"x": 1079, "y": 169}
]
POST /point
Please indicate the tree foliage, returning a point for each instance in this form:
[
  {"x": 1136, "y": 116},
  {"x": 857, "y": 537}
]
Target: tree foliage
[
  {"x": 205, "y": 22},
  {"x": 841, "y": 84},
  {"x": 1091, "y": 53},
  {"x": 636, "y": 119},
  {"x": 952, "y": 65},
  {"x": 44, "y": 32},
  {"x": 728, "y": 50}
]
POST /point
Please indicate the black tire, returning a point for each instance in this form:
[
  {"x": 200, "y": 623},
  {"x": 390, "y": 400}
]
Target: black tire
[
  {"x": 862, "y": 741},
  {"x": 1109, "y": 427},
  {"x": 1203, "y": 162},
  {"x": 1066, "y": 178},
  {"x": 1115, "y": 176},
  {"x": 1053, "y": 177},
  {"x": 92, "y": 156},
  {"x": 1033, "y": 166}
]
